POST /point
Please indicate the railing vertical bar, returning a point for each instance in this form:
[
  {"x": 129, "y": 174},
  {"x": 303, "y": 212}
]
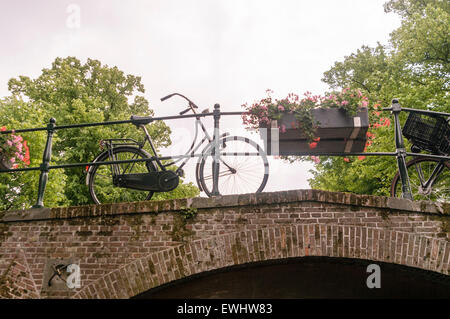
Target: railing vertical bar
[
  {"x": 401, "y": 151},
  {"x": 46, "y": 158}
]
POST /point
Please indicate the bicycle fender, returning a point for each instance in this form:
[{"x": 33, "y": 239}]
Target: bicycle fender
[{"x": 91, "y": 167}]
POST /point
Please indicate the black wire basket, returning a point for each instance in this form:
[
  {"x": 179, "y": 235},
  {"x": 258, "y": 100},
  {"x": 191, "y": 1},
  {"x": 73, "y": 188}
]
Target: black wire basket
[{"x": 429, "y": 133}]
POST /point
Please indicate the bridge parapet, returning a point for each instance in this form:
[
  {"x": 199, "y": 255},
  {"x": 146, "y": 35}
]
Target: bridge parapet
[{"x": 127, "y": 248}]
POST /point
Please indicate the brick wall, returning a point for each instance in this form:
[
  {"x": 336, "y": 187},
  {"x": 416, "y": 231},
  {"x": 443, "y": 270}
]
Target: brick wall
[{"x": 125, "y": 249}]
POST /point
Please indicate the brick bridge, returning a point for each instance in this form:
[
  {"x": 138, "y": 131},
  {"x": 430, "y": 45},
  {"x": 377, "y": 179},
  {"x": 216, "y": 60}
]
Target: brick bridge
[{"x": 126, "y": 249}]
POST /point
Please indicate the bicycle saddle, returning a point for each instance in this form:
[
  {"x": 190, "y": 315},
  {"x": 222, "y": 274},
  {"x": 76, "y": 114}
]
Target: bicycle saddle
[{"x": 141, "y": 120}]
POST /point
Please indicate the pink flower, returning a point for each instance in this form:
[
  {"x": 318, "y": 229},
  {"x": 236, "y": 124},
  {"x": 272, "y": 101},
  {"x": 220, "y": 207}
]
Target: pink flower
[
  {"x": 345, "y": 102},
  {"x": 19, "y": 147},
  {"x": 364, "y": 103},
  {"x": 280, "y": 108},
  {"x": 283, "y": 128},
  {"x": 12, "y": 159},
  {"x": 17, "y": 139},
  {"x": 9, "y": 142},
  {"x": 315, "y": 159}
]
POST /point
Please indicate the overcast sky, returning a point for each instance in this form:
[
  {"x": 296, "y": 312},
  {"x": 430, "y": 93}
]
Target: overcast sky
[{"x": 213, "y": 51}]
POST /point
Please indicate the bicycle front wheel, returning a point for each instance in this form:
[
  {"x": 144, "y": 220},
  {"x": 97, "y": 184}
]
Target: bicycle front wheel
[
  {"x": 101, "y": 186},
  {"x": 243, "y": 167},
  {"x": 420, "y": 170}
]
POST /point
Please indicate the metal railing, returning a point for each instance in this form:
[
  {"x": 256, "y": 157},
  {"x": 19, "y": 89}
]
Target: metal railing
[{"x": 51, "y": 128}]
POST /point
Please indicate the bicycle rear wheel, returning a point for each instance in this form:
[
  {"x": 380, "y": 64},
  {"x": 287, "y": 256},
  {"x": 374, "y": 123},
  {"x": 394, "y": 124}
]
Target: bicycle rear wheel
[
  {"x": 243, "y": 167},
  {"x": 419, "y": 171},
  {"x": 101, "y": 186}
]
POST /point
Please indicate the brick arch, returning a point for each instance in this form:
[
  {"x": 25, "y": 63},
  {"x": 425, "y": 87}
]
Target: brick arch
[{"x": 277, "y": 242}]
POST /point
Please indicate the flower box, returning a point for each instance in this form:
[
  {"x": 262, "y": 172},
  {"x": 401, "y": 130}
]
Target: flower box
[{"x": 338, "y": 132}]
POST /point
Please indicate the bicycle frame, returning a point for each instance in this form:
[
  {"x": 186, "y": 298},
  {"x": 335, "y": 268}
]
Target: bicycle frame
[
  {"x": 437, "y": 170},
  {"x": 214, "y": 151},
  {"x": 192, "y": 149}
]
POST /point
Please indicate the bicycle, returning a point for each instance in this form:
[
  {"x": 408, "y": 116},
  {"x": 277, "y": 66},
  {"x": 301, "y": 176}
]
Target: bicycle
[
  {"x": 233, "y": 169},
  {"x": 429, "y": 177}
]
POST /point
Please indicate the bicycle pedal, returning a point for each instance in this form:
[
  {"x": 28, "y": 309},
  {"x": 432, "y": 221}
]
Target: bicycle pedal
[{"x": 180, "y": 172}]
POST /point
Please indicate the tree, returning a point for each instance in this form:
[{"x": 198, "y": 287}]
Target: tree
[
  {"x": 73, "y": 92},
  {"x": 414, "y": 67}
]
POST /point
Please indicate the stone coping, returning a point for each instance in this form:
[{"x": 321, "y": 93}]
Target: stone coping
[{"x": 301, "y": 195}]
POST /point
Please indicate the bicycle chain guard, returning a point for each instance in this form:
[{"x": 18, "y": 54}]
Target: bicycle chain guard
[{"x": 163, "y": 181}]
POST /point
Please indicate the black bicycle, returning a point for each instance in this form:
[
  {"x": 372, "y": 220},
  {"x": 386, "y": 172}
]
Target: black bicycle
[
  {"x": 226, "y": 165},
  {"x": 429, "y": 177}
]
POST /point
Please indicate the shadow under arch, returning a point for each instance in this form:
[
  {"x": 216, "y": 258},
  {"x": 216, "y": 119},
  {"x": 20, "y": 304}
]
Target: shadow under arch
[
  {"x": 306, "y": 277},
  {"x": 275, "y": 243}
]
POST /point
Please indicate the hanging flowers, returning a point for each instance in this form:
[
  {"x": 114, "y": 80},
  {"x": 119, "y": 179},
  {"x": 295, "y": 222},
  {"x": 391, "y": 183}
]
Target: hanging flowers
[
  {"x": 13, "y": 150},
  {"x": 268, "y": 109}
]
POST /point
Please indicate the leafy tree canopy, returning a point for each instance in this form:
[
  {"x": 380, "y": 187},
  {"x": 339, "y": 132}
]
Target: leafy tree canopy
[{"x": 413, "y": 67}]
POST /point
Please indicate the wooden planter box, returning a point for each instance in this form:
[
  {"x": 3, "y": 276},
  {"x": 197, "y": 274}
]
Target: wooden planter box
[{"x": 338, "y": 133}]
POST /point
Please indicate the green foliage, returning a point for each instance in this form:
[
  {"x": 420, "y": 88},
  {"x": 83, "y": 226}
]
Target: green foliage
[
  {"x": 73, "y": 92},
  {"x": 188, "y": 213},
  {"x": 414, "y": 68}
]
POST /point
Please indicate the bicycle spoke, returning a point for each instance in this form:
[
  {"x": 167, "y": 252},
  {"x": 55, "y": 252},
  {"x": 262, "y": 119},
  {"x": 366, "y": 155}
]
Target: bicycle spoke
[
  {"x": 428, "y": 172},
  {"x": 101, "y": 185},
  {"x": 238, "y": 173}
]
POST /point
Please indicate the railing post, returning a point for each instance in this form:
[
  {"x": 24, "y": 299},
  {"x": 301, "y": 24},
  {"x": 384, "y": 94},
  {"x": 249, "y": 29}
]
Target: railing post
[
  {"x": 45, "y": 164},
  {"x": 216, "y": 152},
  {"x": 401, "y": 151}
]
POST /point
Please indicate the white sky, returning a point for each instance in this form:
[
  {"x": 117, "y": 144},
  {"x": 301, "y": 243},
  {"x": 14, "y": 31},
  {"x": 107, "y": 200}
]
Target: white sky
[{"x": 213, "y": 51}]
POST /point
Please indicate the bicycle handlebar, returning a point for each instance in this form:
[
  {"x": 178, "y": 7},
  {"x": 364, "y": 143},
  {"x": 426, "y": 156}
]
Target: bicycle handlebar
[
  {"x": 191, "y": 104},
  {"x": 185, "y": 111},
  {"x": 167, "y": 97},
  {"x": 430, "y": 113}
]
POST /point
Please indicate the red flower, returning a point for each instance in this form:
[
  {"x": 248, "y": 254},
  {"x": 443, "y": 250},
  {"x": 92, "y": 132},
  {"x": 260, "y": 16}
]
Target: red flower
[
  {"x": 26, "y": 158},
  {"x": 361, "y": 157},
  {"x": 312, "y": 145},
  {"x": 3, "y": 129},
  {"x": 317, "y": 139},
  {"x": 346, "y": 159}
]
